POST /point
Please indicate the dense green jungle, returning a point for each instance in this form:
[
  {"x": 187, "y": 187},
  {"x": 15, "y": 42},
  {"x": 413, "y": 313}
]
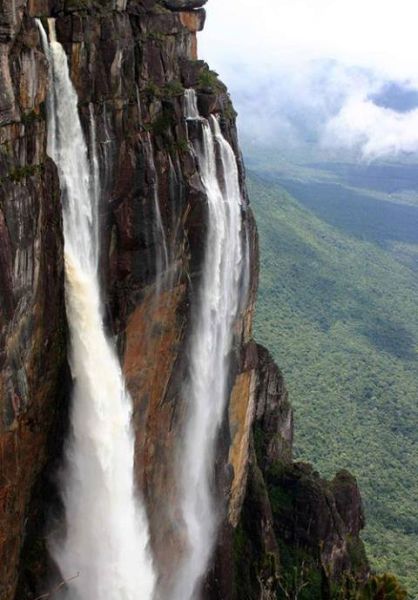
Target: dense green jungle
[{"x": 338, "y": 308}]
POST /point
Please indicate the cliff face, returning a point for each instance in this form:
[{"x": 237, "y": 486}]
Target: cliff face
[
  {"x": 130, "y": 62},
  {"x": 32, "y": 314}
]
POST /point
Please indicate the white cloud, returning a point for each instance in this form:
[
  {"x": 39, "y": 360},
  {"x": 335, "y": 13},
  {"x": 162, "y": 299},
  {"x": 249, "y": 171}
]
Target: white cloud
[
  {"x": 378, "y": 34},
  {"x": 375, "y": 130},
  {"x": 308, "y": 67}
]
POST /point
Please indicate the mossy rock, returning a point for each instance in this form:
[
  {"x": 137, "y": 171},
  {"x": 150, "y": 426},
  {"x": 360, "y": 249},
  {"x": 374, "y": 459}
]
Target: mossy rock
[
  {"x": 384, "y": 587},
  {"x": 208, "y": 81}
]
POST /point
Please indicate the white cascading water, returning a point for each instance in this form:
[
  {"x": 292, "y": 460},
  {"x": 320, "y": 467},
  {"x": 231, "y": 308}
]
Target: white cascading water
[
  {"x": 104, "y": 553},
  {"x": 161, "y": 252},
  {"x": 218, "y": 305}
]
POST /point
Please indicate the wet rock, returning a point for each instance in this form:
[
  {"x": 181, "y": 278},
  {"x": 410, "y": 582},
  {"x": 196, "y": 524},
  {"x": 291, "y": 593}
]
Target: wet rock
[{"x": 32, "y": 313}]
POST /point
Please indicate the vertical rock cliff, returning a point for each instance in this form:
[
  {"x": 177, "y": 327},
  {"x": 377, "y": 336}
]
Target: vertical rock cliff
[
  {"x": 32, "y": 314},
  {"x": 284, "y": 530}
]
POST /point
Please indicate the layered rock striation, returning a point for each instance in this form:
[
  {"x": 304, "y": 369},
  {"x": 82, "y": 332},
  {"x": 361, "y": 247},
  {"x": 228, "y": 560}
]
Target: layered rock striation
[
  {"x": 32, "y": 313},
  {"x": 131, "y": 60}
]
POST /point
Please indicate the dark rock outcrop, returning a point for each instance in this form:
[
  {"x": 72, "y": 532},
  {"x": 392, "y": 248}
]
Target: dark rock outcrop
[
  {"x": 296, "y": 535},
  {"x": 184, "y": 4}
]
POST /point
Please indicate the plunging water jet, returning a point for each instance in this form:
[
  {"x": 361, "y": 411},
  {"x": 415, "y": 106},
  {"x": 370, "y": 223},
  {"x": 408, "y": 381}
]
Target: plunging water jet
[
  {"x": 218, "y": 303},
  {"x": 106, "y": 534}
]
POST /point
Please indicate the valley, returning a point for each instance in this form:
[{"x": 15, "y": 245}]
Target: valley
[{"x": 337, "y": 306}]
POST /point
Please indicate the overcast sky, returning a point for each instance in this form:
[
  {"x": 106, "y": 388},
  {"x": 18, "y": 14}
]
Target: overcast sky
[{"x": 304, "y": 69}]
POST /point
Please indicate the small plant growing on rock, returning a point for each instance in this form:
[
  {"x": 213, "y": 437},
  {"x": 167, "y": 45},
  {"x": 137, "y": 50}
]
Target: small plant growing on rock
[
  {"x": 153, "y": 90},
  {"x": 384, "y": 587},
  {"x": 162, "y": 123},
  {"x": 173, "y": 88},
  {"x": 208, "y": 80}
]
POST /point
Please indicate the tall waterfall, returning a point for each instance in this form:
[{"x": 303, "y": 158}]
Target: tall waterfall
[
  {"x": 104, "y": 551},
  {"x": 218, "y": 303}
]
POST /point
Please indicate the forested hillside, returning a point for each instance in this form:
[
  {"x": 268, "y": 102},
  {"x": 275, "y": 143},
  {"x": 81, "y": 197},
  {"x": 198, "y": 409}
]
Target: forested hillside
[{"x": 340, "y": 315}]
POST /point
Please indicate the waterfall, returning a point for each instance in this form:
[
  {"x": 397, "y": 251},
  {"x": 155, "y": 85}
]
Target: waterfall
[
  {"x": 104, "y": 550},
  {"x": 95, "y": 182},
  {"x": 190, "y": 105},
  {"x": 161, "y": 252},
  {"x": 218, "y": 303}
]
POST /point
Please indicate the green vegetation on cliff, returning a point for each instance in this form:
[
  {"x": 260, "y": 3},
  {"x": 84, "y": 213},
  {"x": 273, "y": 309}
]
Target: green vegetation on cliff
[{"x": 339, "y": 314}]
